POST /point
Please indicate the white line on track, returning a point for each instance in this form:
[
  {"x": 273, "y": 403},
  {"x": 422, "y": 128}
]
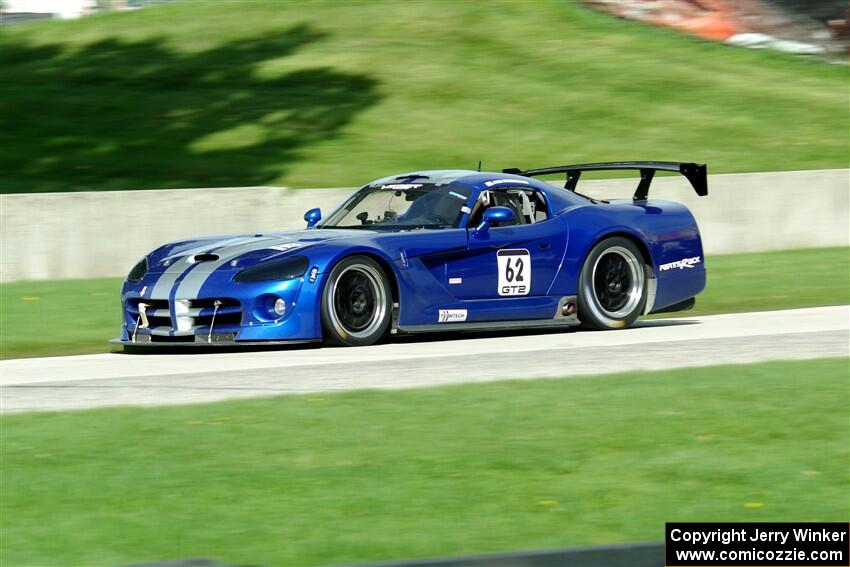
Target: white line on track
[{"x": 73, "y": 382}]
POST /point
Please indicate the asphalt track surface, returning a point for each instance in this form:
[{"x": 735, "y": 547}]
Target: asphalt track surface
[{"x": 117, "y": 379}]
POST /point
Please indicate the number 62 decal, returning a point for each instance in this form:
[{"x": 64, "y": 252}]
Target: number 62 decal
[{"x": 514, "y": 272}]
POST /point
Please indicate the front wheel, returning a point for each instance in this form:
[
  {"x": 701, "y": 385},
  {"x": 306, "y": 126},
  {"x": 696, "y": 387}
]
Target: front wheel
[
  {"x": 356, "y": 303},
  {"x": 612, "y": 285}
]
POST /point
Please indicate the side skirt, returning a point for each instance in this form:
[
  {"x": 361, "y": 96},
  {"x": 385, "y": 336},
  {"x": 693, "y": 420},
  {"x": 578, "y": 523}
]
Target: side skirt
[
  {"x": 566, "y": 315},
  {"x": 490, "y": 326}
]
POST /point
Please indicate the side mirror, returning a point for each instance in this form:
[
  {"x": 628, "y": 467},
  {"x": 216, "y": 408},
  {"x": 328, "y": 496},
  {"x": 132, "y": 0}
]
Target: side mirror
[
  {"x": 312, "y": 217},
  {"x": 494, "y": 215}
]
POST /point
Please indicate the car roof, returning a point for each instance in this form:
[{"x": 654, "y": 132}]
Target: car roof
[
  {"x": 435, "y": 176},
  {"x": 557, "y": 197},
  {"x": 468, "y": 177}
]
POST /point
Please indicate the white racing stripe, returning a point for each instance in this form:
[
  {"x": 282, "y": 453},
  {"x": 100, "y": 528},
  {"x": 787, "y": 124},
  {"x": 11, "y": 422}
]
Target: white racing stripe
[
  {"x": 163, "y": 285},
  {"x": 191, "y": 284}
]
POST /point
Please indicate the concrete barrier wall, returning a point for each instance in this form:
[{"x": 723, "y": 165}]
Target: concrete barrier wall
[
  {"x": 754, "y": 212},
  {"x": 102, "y": 234}
]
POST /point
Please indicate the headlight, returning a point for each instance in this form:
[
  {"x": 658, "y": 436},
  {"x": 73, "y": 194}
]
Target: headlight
[
  {"x": 284, "y": 269},
  {"x": 138, "y": 271}
]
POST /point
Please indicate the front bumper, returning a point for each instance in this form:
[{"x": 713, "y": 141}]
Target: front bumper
[{"x": 221, "y": 313}]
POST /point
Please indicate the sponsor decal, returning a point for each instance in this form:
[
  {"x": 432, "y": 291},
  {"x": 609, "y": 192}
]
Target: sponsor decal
[
  {"x": 680, "y": 264},
  {"x": 401, "y": 186},
  {"x": 452, "y": 315},
  {"x": 455, "y": 281},
  {"x": 514, "y": 272},
  {"x": 498, "y": 181}
]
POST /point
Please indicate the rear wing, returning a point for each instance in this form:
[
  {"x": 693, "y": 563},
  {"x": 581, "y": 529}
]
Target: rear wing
[{"x": 694, "y": 172}]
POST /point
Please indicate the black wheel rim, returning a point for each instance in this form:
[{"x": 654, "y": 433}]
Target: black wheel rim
[
  {"x": 355, "y": 301},
  {"x": 613, "y": 282}
]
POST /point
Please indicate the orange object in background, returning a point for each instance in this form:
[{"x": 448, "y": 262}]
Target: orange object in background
[
  {"x": 715, "y": 20},
  {"x": 795, "y": 26},
  {"x": 709, "y": 19}
]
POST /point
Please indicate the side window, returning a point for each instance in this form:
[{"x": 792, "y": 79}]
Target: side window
[{"x": 528, "y": 205}]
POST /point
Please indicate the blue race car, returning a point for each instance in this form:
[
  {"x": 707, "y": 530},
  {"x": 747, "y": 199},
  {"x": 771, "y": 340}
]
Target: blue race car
[{"x": 429, "y": 251}]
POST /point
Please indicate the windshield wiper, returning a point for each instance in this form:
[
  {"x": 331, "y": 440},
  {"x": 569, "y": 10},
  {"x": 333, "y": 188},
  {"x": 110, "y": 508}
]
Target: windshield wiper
[{"x": 351, "y": 227}]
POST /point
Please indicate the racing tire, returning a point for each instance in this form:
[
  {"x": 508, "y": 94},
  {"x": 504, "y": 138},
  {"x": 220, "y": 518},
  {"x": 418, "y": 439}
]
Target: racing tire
[
  {"x": 612, "y": 285},
  {"x": 356, "y": 303}
]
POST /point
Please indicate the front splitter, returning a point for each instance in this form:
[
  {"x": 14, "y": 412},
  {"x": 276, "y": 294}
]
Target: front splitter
[{"x": 204, "y": 344}]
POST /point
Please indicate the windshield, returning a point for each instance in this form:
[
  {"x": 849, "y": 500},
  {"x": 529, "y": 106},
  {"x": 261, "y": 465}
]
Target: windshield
[{"x": 402, "y": 206}]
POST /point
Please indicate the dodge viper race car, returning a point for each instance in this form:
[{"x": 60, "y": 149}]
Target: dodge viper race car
[{"x": 429, "y": 251}]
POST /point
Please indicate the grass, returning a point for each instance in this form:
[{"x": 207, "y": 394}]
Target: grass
[
  {"x": 365, "y": 476},
  {"x": 334, "y": 93},
  {"x": 80, "y": 316},
  {"x": 59, "y": 317}
]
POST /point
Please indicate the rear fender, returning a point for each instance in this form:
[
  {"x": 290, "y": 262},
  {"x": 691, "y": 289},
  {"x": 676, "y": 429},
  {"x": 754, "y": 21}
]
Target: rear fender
[{"x": 665, "y": 231}]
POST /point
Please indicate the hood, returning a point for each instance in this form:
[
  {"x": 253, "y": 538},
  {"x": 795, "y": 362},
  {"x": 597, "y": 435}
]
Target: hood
[{"x": 238, "y": 251}]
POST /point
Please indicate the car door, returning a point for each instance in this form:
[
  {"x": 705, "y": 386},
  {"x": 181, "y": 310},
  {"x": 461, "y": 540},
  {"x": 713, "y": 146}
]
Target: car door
[{"x": 510, "y": 262}]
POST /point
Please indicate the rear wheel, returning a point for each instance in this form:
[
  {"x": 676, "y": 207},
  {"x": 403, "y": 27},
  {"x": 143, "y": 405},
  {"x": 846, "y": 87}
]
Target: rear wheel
[
  {"x": 612, "y": 285},
  {"x": 356, "y": 303}
]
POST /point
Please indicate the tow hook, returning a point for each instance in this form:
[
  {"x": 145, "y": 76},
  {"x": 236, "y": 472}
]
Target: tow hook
[
  {"x": 143, "y": 318},
  {"x": 216, "y": 305}
]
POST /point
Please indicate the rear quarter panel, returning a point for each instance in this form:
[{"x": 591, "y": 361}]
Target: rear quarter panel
[{"x": 666, "y": 231}]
